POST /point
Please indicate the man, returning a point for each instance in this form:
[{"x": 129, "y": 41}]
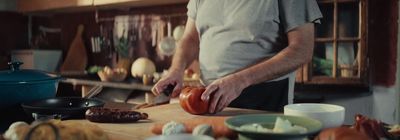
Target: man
[{"x": 246, "y": 49}]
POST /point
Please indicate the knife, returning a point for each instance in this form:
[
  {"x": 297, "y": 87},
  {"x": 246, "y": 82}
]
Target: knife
[
  {"x": 164, "y": 97},
  {"x": 168, "y": 91}
]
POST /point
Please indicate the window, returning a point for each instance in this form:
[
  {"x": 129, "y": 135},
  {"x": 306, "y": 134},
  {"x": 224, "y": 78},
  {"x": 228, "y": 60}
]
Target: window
[{"x": 340, "y": 45}]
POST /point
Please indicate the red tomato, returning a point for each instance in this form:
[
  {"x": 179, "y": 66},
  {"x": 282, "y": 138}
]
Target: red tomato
[{"x": 190, "y": 100}]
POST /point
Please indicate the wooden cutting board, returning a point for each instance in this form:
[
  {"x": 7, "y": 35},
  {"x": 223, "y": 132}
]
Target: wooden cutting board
[
  {"x": 76, "y": 59},
  {"x": 159, "y": 114}
]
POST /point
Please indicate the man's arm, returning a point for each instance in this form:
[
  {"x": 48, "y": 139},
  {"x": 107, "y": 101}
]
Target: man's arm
[
  {"x": 187, "y": 50},
  {"x": 298, "y": 52}
]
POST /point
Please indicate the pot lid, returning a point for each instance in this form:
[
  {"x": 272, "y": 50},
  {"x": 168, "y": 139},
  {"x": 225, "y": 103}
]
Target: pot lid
[{"x": 15, "y": 75}]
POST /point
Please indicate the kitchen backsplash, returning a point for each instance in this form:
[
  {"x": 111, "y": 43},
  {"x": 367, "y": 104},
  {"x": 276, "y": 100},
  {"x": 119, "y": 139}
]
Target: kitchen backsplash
[{"x": 13, "y": 35}]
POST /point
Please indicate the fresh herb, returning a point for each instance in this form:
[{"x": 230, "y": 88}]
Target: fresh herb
[{"x": 122, "y": 47}]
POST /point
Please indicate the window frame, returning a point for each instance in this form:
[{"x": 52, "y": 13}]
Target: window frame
[{"x": 305, "y": 75}]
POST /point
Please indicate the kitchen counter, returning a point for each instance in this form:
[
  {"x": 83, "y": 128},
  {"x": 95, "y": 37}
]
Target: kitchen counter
[
  {"x": 163, "y": 113},
  {"x": 136, "y": 85}
]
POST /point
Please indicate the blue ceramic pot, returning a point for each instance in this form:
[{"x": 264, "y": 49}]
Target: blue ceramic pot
[{"x": 19, "y": 86}]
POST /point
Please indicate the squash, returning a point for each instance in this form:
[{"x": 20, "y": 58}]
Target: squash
[
  {"x": 142, "y": 66},
  {"x": 203, "y": 129},
  {"x": 190, "y": 100}
]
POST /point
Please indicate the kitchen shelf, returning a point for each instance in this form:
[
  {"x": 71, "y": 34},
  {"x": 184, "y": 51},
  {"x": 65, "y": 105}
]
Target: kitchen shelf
[
  {"x": 109, "y": 4},
  {"x": 54, "y": 6},
  {"x": 39, "y": 6},
  {"x": 121, "y": 85}
]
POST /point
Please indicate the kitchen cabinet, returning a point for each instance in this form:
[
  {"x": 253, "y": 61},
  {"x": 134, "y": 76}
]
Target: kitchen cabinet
[
  {"x": 340, "y": 53},
  {"x": 48, "y": 6},
  {"x": 133, "y": 3},
  {"x": 30, "y": 6}
]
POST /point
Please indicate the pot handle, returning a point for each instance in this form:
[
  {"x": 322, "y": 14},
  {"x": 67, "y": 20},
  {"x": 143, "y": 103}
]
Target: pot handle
[{"x": 14, "y": 66}]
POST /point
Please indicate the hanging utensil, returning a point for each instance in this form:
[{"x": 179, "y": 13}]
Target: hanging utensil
[
  {"x": 167, "y": 45},
  {"x": 76, "y": 59}
]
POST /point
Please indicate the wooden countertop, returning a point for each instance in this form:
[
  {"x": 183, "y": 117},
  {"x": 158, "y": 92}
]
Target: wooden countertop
[{"x": 163, "y": 113}]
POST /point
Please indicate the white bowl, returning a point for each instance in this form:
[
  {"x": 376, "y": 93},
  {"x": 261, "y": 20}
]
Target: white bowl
[{"x": 328, "y": 114}]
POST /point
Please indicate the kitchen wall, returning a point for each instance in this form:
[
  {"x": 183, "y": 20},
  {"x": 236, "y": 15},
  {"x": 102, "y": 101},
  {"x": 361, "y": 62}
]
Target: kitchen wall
[
  {"x": 398, "y": 69},
  {"x": 13, "y": 35},
  {"x": 384, "y": 60},
  {"x": 8, "y": 5}
]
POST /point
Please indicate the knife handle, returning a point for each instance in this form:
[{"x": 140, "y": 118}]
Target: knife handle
[{"x": 168, "y": 91}]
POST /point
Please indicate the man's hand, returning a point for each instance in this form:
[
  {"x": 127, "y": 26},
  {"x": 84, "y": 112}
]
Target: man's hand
[
  {"x": 186, "y": 52},
  {"x": 222, "y": 92},
  {"x": 174, "y": 78}
]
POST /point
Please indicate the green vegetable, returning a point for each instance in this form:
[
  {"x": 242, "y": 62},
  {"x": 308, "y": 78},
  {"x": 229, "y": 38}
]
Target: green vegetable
[
  {"x": 323, "y": 66},
  {"x": 203, "y": 129},
  {"x": 122, "y": 47},
  {"x": 94, "y": 69}
]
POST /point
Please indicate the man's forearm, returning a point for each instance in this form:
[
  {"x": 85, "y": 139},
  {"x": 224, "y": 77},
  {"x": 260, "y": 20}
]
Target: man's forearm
[
  {"x": 298, "y": 52},
  {"x": 187, "y": 49},
  {"x": 283, "y": 63},
  {"x": 186, "y": 52}
]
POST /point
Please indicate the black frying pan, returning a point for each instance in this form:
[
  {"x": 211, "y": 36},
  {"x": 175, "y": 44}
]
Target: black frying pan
[{"x": 62, "y": 107}]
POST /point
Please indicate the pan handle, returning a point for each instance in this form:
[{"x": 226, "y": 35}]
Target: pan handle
[
  {"x": 40, "y": 117},
  {"x": 94, "y": 91}
]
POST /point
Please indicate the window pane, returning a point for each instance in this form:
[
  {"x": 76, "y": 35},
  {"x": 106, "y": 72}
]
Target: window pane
[
  {"x": 347, "y": 59},
  {"x": 325, "y": 29},
  {"x": 322, "y": 64},
  {"x": 348, "y": 19}
]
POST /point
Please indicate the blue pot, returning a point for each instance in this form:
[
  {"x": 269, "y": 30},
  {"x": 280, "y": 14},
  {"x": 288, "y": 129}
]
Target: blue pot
[{"x": 19, "y": 86}]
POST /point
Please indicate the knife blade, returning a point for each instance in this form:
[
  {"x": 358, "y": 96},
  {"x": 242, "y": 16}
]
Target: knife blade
[{"x": 164, "y": 97}]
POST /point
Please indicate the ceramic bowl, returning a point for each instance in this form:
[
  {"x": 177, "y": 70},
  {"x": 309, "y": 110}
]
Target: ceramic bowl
[
  {"x": 328, "y": 114},
  {"x": 267, "y": 121}
]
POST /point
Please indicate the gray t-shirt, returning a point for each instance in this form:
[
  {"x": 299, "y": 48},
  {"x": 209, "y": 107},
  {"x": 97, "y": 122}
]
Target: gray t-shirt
[{"x": 235, "y": 34}]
